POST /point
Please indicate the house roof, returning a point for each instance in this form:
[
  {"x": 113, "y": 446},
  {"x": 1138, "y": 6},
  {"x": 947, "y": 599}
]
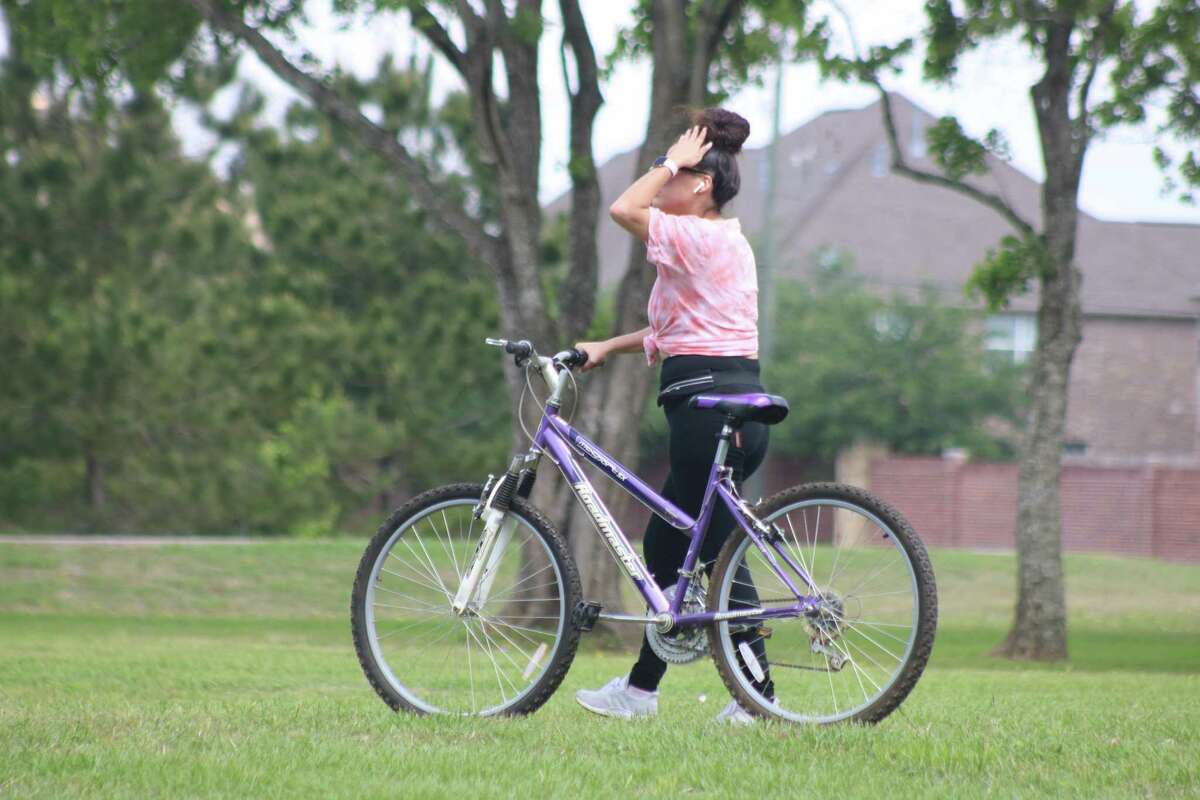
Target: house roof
[{"x": 834, "y": 188}]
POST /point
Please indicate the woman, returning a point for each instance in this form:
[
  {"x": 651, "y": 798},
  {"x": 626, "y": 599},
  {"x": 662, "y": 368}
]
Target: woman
[{"x": 703, "y": 315}]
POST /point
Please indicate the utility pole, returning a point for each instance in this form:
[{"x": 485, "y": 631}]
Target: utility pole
[{"x": 766, "y": 262}]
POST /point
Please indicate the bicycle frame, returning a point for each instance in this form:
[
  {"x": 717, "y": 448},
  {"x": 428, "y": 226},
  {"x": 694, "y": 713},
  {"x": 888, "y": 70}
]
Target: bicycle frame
[{"x": 556, "y": 438}]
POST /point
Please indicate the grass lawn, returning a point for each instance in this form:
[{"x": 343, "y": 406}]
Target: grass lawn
[{"x": 228, "y": 671}]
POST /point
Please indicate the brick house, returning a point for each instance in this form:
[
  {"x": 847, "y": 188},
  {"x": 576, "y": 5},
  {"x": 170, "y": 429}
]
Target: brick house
[{"x": 1135, "y": 383}]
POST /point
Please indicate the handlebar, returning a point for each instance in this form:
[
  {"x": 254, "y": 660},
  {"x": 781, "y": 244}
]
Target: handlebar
[{"x": 522, "y": 350}]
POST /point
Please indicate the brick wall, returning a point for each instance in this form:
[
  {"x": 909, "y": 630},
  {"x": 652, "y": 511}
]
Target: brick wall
[
  {"x": 1134, "y": 390},
  {"x": 1140, "y": 511}
]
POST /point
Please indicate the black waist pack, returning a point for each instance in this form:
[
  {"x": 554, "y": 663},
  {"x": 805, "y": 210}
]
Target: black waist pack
[{"x": 702, "y": 380}]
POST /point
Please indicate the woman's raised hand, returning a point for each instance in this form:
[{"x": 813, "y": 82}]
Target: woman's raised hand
[{"x": 690, "y": 147}]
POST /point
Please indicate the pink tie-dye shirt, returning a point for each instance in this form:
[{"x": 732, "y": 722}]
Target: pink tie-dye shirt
[{"x": 705, "y": 299}]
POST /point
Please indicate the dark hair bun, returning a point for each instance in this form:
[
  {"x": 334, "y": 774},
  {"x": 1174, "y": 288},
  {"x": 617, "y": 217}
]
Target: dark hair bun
[{"x": 726, "y": 130}]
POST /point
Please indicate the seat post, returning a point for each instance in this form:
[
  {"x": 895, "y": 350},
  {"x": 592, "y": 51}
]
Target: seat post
[{"x": 723, "y": 443}]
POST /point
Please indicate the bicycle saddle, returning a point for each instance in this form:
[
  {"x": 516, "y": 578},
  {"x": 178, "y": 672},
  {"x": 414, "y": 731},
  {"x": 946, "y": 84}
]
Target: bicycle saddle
[{"x": 755, "y": 406}]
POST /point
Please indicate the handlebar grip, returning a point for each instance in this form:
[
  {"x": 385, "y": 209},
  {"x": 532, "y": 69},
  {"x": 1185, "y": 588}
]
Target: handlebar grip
[
  {"x": 521, "y": 349},
  {"x": 571, "y": 357}
]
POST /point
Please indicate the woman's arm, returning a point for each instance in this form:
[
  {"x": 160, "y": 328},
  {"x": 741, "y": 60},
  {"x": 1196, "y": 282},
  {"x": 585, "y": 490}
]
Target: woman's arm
[
  {"x": 629, "y": 342},
  {"x": 599, "y": 351},
  {"x": 632, "y": 209}
]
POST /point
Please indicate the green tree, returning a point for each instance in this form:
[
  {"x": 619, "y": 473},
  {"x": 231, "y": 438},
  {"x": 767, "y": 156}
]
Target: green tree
[
  {"x": 111, "y": 245},
  {"x": 394, "y": 357},
  {"x": 902, "y": 370},
  {"x": 691, "y": 45},
  {"x": 905, "y": 371},
  {"x": 161, "y": 373},
  {"x": 699, "y": 49},
  {"x": 1104, "y": 64}
]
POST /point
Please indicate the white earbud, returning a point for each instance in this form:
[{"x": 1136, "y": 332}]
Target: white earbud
[{"x": 697, "y": 189}]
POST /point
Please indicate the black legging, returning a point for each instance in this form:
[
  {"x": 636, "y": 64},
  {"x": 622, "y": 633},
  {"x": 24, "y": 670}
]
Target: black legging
[{"x": 693, "y": 446}]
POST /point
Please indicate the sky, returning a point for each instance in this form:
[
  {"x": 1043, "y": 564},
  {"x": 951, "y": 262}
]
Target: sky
[{"x": 1120, "y": 180}]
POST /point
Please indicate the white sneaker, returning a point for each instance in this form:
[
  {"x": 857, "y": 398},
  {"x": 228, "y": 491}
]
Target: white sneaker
[
  {"x": 734, "y": 714},
  {"x": 617, "y": 699}
]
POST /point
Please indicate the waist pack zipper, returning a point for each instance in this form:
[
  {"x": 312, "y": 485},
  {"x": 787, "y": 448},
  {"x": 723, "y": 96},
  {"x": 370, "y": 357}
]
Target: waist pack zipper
[
  {"x": 711, "y": 378},
  {"x": 688, "y": 382}
]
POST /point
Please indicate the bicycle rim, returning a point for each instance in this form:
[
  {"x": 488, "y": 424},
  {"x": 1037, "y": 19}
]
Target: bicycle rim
[
  {"x": 868, "y": 619},
  {"x": 482, "y": 664}
]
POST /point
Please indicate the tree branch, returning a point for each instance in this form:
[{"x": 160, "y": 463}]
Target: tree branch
[
  {"x": 427, "y": 24},
  {"x": 731, "y": 9},
  {"x": 472, "y": 22},
  {"x": 446, "y": 215},
  {"x": 524, "y": 95},
  {"x": 698, "y": 70},
  {"x": 670, "y": 27},
  {"x": 1082, "y": 122},
  {"x": 579, "y": 287},
  {"x": 993, "y": 201}
]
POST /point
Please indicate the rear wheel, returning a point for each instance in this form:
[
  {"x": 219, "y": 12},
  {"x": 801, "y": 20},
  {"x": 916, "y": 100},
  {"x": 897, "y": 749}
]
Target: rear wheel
[
  {"x": 859, "y": 652},
  {"x": 505, "y": 657}
]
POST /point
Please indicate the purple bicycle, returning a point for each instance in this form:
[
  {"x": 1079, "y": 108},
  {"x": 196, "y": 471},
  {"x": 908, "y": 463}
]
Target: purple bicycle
[{"x": 467, "y": 600}]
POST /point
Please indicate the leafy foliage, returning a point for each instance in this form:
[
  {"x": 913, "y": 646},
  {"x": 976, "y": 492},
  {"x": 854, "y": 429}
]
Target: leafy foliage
[
  {"x": 1005, "y": 272},
  {"x": 854, "y": 365},
  {"x": 277, "y": 353},
  {"x": 760, "y": 31},
  {"x": 1136, "y": 60},
  {"x": 901, "y": 370},
  {"x": 958, "y": 154}
]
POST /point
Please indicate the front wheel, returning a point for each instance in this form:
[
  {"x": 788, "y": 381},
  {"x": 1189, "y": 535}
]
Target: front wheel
[
  {"x": 857, "y": 653},
  {"x": 507, "y": 654}
]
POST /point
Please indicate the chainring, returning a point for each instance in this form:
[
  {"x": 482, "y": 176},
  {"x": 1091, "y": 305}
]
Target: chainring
[{"x": 681, "y": 644}]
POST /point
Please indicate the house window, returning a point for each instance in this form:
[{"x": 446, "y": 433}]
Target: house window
[
  {"x": 1074, "y": 447},
  {"x": 1014, "y": 335},
  {"x": 889, "y": 325},
  {"x": 879, "y": 160},
  {"x": 916, "y": 143}
]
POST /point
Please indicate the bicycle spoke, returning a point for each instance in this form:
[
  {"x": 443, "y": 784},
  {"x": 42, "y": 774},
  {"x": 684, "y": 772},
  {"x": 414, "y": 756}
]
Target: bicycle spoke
[
  {"x": 432, "y": 564},
  {"x": 434, "y": 611},
  {"x": 418, "y": 568},
  {"x": 408, "y": 597},
  {"x": 874, "y": 574},
  {"x": 488, "y": 652},
  {"x": 437, "y": 660},
  {"x": 521, "y": 628},
  {"x": 453, "y": 557},
  {"x": 867, "y": 636},
  {"x": 518, "y": 583},
  {"x": 882, "y": 632},
  {"x": 421, "y": 581}
]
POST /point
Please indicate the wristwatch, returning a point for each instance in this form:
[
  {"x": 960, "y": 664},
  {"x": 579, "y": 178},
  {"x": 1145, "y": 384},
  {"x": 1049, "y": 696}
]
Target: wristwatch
[{"x": 663, "y": 161}]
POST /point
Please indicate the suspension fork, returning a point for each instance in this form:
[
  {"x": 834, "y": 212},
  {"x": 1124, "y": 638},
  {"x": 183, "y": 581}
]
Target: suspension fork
[{"x": 498, "y": 528}]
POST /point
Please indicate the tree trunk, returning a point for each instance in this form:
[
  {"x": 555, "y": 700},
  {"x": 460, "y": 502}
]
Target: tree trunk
[
  {"x": 614, "y": 397},
  {"x": 611, "y": 408},
  {"x": 96, "y": 497},
  {"x": 1040, "y": 623}
]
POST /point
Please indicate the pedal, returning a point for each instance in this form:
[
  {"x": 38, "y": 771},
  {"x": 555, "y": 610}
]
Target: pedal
[{"x": 585, "y": 614}]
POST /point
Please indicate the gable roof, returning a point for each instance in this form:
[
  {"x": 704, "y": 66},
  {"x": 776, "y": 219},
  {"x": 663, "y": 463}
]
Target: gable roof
[{"x": 834, "y": 188}]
